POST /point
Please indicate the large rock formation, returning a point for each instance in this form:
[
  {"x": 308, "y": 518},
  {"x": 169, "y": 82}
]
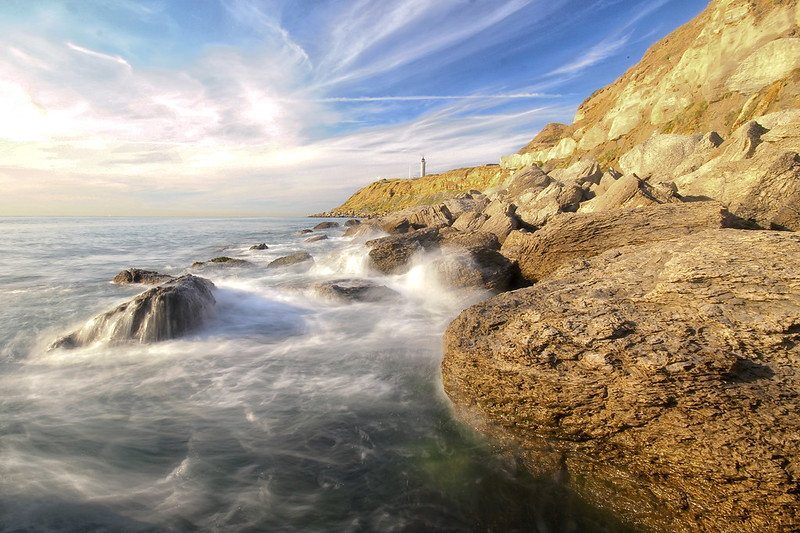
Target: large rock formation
[
  {"x": 165, "y": 312},
  {"x": 580, "y": 235},
  {"x": 660, "y": 381}
]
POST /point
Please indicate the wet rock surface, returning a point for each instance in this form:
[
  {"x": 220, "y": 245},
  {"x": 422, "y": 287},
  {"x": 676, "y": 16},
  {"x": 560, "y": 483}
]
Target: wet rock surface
[
  {"x": 165, "y": 312},
  {"x": 660, "y": 380},
  {"x": 357, "y": 290},
  {"x": 137, "y": 275},
  {"x": 300, "y": 259}
]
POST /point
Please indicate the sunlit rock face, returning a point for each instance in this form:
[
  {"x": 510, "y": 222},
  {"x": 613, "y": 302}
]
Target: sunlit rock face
[
  {"x": 659, "y": 379},
  {"x": 161, "y": 313}
]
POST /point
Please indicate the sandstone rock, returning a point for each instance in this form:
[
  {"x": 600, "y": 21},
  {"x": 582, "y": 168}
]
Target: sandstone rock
[
  {"x": 498, "y": 218},
  {"x": 317, "y": 238},
  {"x": 586, "y": 170},
  {"x": 606, "y": 181},
  {"x": 357, "y": 290},
  {"x": 757, "y": 176},
  {"x": 660, "y": 380},
  {"x": 472, "y": 260},
  {"x": 302, "y": 259},
  {"x": 165, "y": 312},
  {"x": 137, "y": 275},
  {"x": 351, "y": 222},
  {"x": 630, "y": 191},
  {"x": 658, "y": 156},
  {"x": 581, "y": 235},
  {"x": 327, "y": 225},
  {"x": 704, "y": 151},
  {"x": 392, "y": 254}
]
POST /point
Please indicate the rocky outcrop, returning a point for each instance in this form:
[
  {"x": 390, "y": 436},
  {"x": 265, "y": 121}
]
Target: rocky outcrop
[
  {"x": 473, "y": 259},
  {"x": 297, "y": 260},
  {"x": 582, "y": 235},
  {"x": 137, "y": 275},
  {"x": 165, "y": 312},
  {"x": 630, "y": 191},
  {"x": 356, "y": 290},
  {"x": 658, "y": 380},
  {"x": 391, "y": 255},
  {"x": 757, "y": 174}
]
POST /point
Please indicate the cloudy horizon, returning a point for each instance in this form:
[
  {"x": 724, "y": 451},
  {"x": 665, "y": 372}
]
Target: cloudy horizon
[{"x": 271, "y": 107}]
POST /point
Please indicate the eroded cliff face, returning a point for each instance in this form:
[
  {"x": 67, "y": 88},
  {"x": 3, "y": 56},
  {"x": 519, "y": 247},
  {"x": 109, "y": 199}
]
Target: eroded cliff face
[{"x": 737, "y": 60}]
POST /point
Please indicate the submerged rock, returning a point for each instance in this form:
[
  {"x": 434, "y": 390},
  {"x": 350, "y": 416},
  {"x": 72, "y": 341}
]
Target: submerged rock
[
  {"x": 262, "y": 246},
  {"x": 223, "y": 260},
  {"x": 300, "y": 258},
  {"x": 317, "y": 238},
  {"x": 137, "y": 275},
  {"x": 661, "y": 380},
  {"x": 165, "y": 312},
  {"x": 359, "y": 290}
]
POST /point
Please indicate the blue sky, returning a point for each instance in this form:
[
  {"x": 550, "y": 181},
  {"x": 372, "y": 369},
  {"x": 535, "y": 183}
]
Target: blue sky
[{"x": 279, "y": 107}]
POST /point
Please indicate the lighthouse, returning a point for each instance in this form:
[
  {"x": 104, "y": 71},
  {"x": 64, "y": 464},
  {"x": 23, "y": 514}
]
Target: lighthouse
[{"x": 422, "y": 167}]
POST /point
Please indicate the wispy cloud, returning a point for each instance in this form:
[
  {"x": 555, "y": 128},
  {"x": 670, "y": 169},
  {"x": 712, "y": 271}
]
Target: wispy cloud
[
  {"x": 597, "y": 53},
  {"x": 114, "y": 58}
]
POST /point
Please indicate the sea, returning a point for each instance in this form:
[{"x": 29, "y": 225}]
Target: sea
[{"x": 285, "y": 411}]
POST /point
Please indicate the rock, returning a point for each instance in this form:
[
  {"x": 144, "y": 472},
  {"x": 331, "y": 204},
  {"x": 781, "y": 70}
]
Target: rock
[
  {"x": 473, "y": 260},
  {"x": 757, "y": 176},
  {"x": 223, "y": 260},
  {"x": 136, "y": 275},
  {"x": 630, "y": 191},
  {"x": 582, "y": 235},
  {"x": 351, "y": 222},
  {"x": 358, "y": 290},
  {"x": 165, "y": 312},
  {"x": 658, "y": 156},
  {"x": 391, "y": 254},
  {"x": 317, "y": 238},
  {"x": 497, "y": 218},
  {"x": 584, "y": 171},
  {"x": 305, "y": 231},
  {"x": 458, "y": 206},
  {"x": 303, "y": 259},
  {"x": 261, "y": 246},
  {"x": 367, "y": 229},
  {"x": 326, "y": 225},
  {"x": 606, "y": 181},
  {"x": 660, "y": 380}
]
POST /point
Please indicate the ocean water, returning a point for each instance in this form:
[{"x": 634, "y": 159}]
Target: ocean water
[{"x": 285, "y": 411}]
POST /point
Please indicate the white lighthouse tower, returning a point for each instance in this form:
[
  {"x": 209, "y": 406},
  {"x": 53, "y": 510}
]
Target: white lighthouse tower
[{"x": 422, "y": 167}]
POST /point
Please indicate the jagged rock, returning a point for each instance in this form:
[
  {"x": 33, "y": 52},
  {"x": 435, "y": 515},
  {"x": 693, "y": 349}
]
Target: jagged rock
[
  {"x": 581, "y": 235},
  {"x": 391, "y": 254},
  {"x": 757, "y": 176},
  {"x": 630, "y": 191},
  {"x": 261, "y": 246},
  {"x": 429, "y": 216},
  {"x": 497, "y": 218},
  {"x": 137, "y": 275},
  {"x": 165, "y": 312},
  {"x": 660, "y": 380},
  {"x": 303, "y": 259},
  {"x": 458, "y": 206},
  {"x": 358, "y": 290},
  {"x": 317, "y": 238},
  {"x": 222, "y": 260},
  {"x": 584, "y": 171},
  {"x": 327, "y": 225},
  {"x": 658, "y": 156}
]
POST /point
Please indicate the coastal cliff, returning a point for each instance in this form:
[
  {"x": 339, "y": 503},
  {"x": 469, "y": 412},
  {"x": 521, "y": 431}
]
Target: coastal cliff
[{"x": 649, "y": 354}]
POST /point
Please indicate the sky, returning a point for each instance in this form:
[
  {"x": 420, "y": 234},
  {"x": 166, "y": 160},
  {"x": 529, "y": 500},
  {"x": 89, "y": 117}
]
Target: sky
[{"x": 287, "y": 107}]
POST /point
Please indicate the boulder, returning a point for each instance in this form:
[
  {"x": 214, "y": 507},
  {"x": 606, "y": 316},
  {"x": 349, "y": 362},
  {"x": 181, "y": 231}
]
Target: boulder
[
  {"x": 137, "y": 275},
  {"x": 357, "y": 290},
  {"x": 660, "y": 381},
  {"x": 535, "y": 208},
  {"x": 351, "y": 222},
  {"x": 261, "y": 246},
  {"x": 498, "y": 218},
  {"x": 305, "y": 231},
  {"x": 392, "y": 254},
  {"x": 317, "y": 238},
  {"x": 303, "y": 259},
  {"x": 584, "y": 171},
  {"x": 327, "y": 225},
  {"x": 165, "y": 312},
  {"x": 473, "y": 260},
  {"x": 659, "y": 155},
  {"x": 582, "y": 235},
  {"x": 757, "y": 176},
  {"x": 630, "y": 191}
]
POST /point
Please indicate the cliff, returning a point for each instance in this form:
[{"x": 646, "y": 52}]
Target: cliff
[
  {"x": 388, "y": 195},
  {"x": 735, "y": 61}
]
